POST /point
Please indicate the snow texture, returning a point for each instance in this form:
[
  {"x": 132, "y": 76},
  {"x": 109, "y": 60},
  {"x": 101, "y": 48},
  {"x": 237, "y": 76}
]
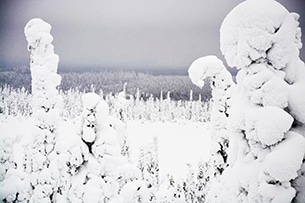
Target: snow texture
[
  {"x": 266, "y": 153},
  {"x": 267, "y": 125}
]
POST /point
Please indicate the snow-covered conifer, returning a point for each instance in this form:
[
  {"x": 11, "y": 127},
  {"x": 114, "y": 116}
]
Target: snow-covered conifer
[
  {"x": 222, "y": 89},
  {"x": 106, "y": 169},
  {"x": 121, "y": 103},
  {"x": 46, "y": 109},
  {"x": 267, "y": 138}
]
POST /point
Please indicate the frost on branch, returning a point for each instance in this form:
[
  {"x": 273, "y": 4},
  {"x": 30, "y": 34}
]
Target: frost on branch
[
  {"x": 267, "y": 138},
  {"x": 222, "y": 89}
]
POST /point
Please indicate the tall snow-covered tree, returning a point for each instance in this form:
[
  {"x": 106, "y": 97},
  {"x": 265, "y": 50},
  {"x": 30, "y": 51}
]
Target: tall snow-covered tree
[
  {"x": 46, "y": 109},
  {"x": 222, "y": 89},
  {"x": 267, "y": 138}
]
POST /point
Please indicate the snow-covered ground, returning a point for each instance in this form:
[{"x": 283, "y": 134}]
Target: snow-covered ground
[{"x": 179, "y": 144}]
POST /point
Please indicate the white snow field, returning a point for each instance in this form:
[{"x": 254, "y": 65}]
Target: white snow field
[{"x": 180, "y": 144}]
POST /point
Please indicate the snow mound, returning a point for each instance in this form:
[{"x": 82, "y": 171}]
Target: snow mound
[
  {"x": 95, "y": 116},
  {"x": 264, "y": 87},
  {"x": 90, "y": 100},
  {"x": 135, "y": 191},
  {"x": 296, "y": 95},
  {"x": 204, "y": 67},
  {"x": 268, "y": 125},
  {"x": 33, "y": 28},
  {"x": 280, "y": 164}
]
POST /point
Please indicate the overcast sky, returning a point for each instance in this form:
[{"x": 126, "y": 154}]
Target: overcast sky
[{"x": 121, "y": 33}]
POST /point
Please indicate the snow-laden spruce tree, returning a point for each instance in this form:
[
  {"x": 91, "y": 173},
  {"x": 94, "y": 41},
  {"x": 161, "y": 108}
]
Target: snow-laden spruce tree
[
  {"x": 267, "y": 137},
  {"x": 46, "y": 102},
  {"x": 102, "y": 174},
  {"x": 222, "y": 89}
]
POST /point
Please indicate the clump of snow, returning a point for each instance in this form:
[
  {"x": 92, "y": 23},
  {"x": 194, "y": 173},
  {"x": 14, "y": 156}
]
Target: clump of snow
[
  {"x": 95, "y": 114},
  {"x": 267, "y": 125},
  {"x": 90, "y": 100},
  {"x": 264, "y": 87},
  {"x": 246, "y": 33},
  {"x": 296, "y": 102},
  {"x": 135, "y": 191},
  {"x": 283, "y": 166},
  {"x": 33, "y": 28},
  {"x": 204, "y": 67}
]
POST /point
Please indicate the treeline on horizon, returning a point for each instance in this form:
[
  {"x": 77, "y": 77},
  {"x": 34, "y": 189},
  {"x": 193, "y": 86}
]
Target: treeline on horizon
[{"x": 112, "y": 81}]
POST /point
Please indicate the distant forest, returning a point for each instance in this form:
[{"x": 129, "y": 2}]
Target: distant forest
[{"x": 149, "y": 84}]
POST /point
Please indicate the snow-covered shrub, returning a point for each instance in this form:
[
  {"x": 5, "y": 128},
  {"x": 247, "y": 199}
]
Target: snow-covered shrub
[
  {"x": 189, "y": 186},
  {"x": 203, "y": 178},
  {"x": 170, "y": 191},
  {"x": 15, "y": 102},
  {"x": 14, "y": 179},
  {"x": 267, "y": 138},
  {"x": 222, "y": 90},
  {"x": 72, "y": 103},
  {"x": 6, "y": 160},
  {"x": 149, "y": 166}
]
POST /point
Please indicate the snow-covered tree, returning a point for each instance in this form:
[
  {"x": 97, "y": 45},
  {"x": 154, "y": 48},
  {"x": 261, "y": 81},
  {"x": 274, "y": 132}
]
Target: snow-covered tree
[
  {"x": 46, "y": 109},
  {"x": 267, "y": 138},
  {"x": 121, "y": 103},
  {"x": 222, "y": 90},
  {"x": 104, "y": 172}
]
